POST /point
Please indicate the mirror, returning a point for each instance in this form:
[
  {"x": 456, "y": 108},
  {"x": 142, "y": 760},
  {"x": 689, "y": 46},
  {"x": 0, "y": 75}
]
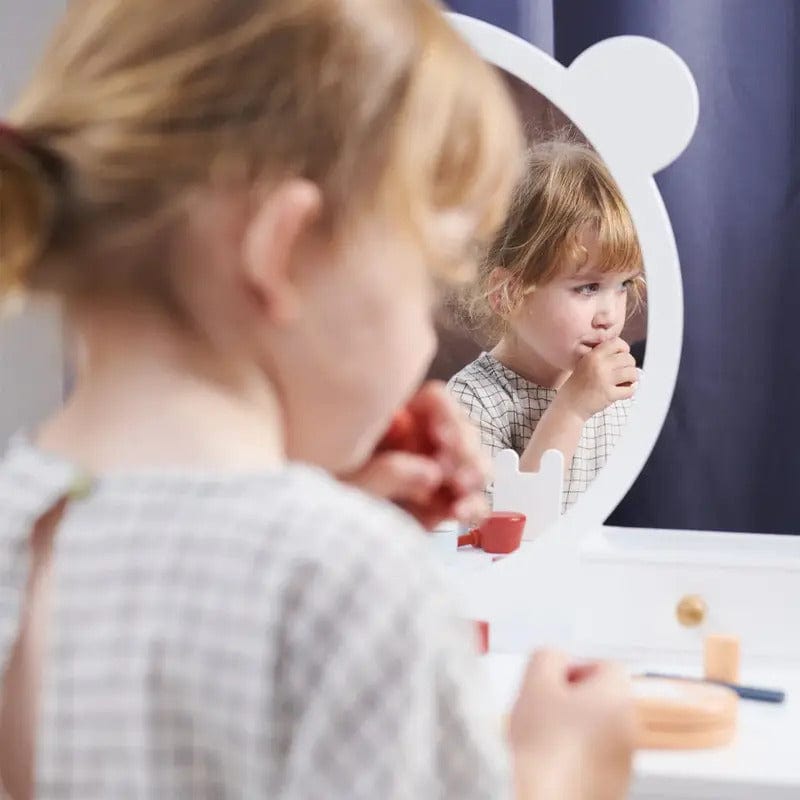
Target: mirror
[
  {"x": 505, "y": 365},
  {"x": 635, "y": 103}
]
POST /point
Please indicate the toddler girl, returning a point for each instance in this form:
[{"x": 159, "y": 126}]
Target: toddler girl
[
  {"x": 553, "y": 296},
  {"x": 242, "y": 207}
]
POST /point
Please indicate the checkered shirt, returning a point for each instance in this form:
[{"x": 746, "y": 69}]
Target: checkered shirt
[
  {"x": 507, "y": 407},
  {"x": 263, "y": 635}
]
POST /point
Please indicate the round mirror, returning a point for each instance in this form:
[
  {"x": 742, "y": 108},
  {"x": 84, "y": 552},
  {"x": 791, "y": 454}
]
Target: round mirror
[{"x": 635, "y": 102}]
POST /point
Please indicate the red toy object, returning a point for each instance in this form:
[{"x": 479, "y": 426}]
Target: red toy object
[
  {"x": 405, "y": 433},
  {"x": 482, "y": 631},
  {"x": 408, "y": 432},
  {"x": 500, "y": 533}
]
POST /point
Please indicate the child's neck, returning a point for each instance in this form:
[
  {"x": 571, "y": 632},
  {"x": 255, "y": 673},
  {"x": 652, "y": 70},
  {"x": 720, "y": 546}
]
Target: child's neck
[
  {"x": 527, "y": 363},
  {"x": 148, "y": 396}
]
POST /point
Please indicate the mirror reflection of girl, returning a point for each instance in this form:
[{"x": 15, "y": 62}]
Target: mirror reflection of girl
[
  {"x": 239, "y": 205},
  {"x": 553, "y": 295}
]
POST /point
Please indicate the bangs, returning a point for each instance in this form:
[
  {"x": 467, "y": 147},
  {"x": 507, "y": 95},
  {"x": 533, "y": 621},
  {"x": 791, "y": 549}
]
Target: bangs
[
  {"x": 618, "y": 249},
  {"x": 599, "y": 211}
]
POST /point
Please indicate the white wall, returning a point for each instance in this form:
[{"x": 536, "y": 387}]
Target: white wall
[{"x": 31, "y": 349}]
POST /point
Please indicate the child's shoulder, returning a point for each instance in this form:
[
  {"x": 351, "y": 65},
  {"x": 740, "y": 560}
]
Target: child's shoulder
[
  {"x": 294, "y": 513},
  {"x": 311, "y": 527},
  {"x": 347, "y": 544},
  {"x": 331, "y": 515},
  {"x": 480, "y": 372},
  {"x": 486, "y": 386}
]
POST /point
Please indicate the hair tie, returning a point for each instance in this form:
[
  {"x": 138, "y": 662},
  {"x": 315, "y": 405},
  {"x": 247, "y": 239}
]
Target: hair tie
[
  {"x": 11, "y": 133},
  {"x": 48, "y": 161}
]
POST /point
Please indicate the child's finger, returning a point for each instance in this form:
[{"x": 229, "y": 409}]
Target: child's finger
[
  {"x": 619, "y": 361},
  {"x": 454, "y": 436},
  {"x": 579, "y": 672},
  {"x": 611, "y": 347},
  {"x": 442, "y": 412},
  {"x": 622, "y": 359},
  {"x": 624, "y": 391},
  {"x": 546, "y": 667},
  {"x": 445, "y": 416},
  {"x": 399, "y": 476},
  {"x": 612, "y": 677},
  {"x": 471, "y": 476},
  {"x": 626, "y": 375},
  {"x": 471, "y": 509}
]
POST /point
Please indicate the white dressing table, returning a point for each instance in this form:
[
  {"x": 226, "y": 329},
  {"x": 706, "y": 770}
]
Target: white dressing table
[{"x": 626, "y": 609}]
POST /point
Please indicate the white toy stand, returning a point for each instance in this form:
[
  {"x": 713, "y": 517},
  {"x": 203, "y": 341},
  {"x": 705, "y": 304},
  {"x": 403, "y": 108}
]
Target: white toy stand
[
  {"x": 531, "y": 613},
  {"x": 474, "y": 573},
  {"x": 537, "y": 495}
]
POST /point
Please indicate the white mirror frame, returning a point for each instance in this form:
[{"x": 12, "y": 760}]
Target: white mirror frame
[{"x": 636, "y": 102}]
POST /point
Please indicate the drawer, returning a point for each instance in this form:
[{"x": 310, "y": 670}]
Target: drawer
[{"x": 629, "y": 597}]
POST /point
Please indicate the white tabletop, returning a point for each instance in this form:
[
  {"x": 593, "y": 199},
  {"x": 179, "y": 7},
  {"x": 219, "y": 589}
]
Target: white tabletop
[{"x": 763, "y": 763}]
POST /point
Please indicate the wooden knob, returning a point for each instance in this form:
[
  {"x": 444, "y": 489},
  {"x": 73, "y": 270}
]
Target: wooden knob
[{"x": 691, "y": 610}]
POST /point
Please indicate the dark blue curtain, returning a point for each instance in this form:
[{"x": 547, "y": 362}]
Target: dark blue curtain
[
  {"x": 728, "y": 457},
  {"x": 506, "y": 14}
]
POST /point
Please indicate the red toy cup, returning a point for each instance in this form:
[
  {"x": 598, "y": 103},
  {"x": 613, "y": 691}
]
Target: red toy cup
[{"x": 500, "y": 533}]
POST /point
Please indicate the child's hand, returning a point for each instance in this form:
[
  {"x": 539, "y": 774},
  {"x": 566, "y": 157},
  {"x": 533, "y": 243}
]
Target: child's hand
[
  {"x": 572, "y": 730},
  {"x": 603, "y": 376},
  {"x": 429, "y": 461}
]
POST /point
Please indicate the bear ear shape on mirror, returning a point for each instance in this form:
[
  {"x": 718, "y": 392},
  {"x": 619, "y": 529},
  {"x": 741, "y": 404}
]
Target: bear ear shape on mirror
[{"x": 636, "y": 97}]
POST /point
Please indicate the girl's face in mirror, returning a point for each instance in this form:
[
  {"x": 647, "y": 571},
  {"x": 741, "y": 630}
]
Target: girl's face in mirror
[{"x": 565, "y": 318}]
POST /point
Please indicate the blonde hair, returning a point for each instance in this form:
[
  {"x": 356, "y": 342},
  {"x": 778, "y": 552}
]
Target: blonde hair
[
  {"x": 137, "y": 103},
  {"x": 566, "y": 190}
]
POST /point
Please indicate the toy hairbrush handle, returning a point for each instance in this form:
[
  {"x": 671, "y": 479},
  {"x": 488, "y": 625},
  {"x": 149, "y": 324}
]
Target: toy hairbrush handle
[{"x": 473, "y": 538}]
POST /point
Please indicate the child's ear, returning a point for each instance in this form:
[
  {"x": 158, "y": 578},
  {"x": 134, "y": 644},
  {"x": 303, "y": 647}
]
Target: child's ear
[
  {"x": 274, "y": 236},
  {"x": 499, "y": 295}
]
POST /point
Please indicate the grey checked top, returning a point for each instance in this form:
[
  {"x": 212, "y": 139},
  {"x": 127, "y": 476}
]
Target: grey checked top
[
  {"x": 263, "y": 635},
  {"x": 507, "y": 407}
]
